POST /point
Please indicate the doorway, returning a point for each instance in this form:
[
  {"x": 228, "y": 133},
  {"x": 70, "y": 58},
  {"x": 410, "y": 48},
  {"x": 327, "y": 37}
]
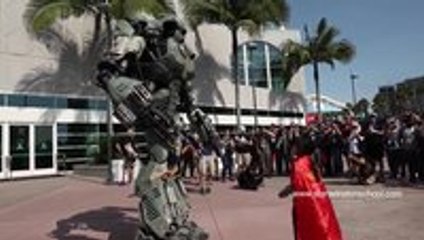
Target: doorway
[{"x": 27, "y": 150}]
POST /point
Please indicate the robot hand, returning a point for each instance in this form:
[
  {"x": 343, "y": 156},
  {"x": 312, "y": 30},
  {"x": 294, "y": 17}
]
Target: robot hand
[
  {"x": 204, "y": 127},
  {"x": 202, "y": 124}
]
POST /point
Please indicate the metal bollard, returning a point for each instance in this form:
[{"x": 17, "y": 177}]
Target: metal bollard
[{"x": 9, "y": 165}]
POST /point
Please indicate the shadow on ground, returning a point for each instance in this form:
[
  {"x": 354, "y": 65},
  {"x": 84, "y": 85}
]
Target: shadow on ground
[
  {"x": 113, "y": 221},
  {"x": 403, "y": 184},
  {"x": 340, "y": 182}
]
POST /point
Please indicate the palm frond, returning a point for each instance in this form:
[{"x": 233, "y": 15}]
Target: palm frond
[
  {"x": 249, "y": 26},
  {"x": 265, "y": 11},
  {"x": 127, "y": 8},
  {"x": 326, "y": 37},
  {"x": 325, "y": 48},
  {"x": 235, "y": 14},
  {"x": 41, "y": 14},
  {"x": 343, "y": 51},
  {"x": 295, "y": 55},
  {"x": 330, "y": 62},
  {"x": 322, "y": 26}
]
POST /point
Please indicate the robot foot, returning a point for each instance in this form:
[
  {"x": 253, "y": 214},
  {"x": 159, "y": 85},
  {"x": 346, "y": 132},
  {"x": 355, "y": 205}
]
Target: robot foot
[
  {"x": 189, "y": 231},
  {"x": 141, "y": 235}
]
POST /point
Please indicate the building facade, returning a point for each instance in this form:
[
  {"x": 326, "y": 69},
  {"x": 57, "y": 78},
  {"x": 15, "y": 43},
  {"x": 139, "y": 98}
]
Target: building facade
[
  {"x": 328, "y": 104},
  {"x": 406, "y": 95},
  {"x": 414, "y": 87},
  {"x": 52, "y": 115},
  {"x": 388, "y": 93}
]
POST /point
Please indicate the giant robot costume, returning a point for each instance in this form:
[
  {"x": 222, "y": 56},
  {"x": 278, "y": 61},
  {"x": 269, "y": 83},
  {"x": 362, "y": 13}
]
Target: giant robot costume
[{"x": 147, "y": 75}]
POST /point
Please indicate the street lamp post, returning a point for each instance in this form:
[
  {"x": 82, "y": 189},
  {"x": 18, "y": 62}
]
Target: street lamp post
[{"x": 353, "y": 77}]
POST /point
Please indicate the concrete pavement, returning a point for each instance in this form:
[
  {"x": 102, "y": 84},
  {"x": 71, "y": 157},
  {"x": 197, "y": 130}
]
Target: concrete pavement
[{"x": 72, "y": 208}]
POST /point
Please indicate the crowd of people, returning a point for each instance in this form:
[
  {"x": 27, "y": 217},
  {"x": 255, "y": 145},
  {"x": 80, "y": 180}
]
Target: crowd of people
[{"x": 344, "y": 147}]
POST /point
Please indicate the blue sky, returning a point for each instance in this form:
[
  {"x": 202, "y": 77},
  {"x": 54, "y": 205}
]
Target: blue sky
[{"x": 388, "y": 35}]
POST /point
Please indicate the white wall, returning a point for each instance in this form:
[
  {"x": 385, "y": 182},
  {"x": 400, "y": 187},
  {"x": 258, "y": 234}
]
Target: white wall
[{"x": 26, "y": 65}]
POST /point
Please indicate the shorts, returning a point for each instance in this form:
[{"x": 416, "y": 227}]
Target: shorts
[{"x": 207, "y": 162}]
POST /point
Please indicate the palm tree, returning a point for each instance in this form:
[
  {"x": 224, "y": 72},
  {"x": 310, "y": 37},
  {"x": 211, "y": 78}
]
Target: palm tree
[
  {"x": 295, "y": 55},
  {"x": 361, "y": 107},
  {"x": 249, "y": 15},
  {"x": 323, "y": 48},
  {"x": 40, "y": 15}
]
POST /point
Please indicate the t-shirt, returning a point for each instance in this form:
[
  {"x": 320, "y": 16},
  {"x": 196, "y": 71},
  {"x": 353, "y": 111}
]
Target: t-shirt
[{"x": 207, "y": 150}]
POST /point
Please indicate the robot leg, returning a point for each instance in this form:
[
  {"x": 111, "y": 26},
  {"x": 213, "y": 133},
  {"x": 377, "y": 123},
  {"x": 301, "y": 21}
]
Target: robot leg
[{"x": 163, "y": 207}]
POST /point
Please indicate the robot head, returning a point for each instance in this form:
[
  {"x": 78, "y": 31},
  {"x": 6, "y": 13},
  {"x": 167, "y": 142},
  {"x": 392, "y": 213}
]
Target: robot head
[
  {"x": 173, "y": 28},
  {"x": 144, "y": 24},
  {"x": 105, "y": 71},
  {"x": 123, "y": 28}
]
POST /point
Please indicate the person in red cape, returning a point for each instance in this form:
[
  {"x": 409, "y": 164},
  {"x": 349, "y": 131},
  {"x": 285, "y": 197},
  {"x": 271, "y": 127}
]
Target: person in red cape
[{"x": 313, "y": 213}]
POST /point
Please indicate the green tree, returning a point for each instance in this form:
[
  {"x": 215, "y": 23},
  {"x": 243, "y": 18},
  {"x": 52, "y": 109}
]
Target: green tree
[
  {"x": 295, "y": 55},
  {"x": 248, "y": 15},
  {"x": 404, "y": 98},
  {"x": 361, "y": 107},
  {"x": 381, "y": 104},
  {"x": 322, "y": 47}
]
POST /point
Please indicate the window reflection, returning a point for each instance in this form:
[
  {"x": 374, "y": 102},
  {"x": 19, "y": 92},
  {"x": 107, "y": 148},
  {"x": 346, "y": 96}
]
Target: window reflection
[
  {"x": 40, "y": 101},
  {"x": 263, "y": 63},
  {"x": 257, "y": 64},
  {"x": 16, "y": 100},
  {"x": 102, "y": 105},
  {"x": 78, "y": 103},
  {"x": 61, "y": 102},
  {"x": 22, "y": 100},
  {"x": 2, "y": 99}
]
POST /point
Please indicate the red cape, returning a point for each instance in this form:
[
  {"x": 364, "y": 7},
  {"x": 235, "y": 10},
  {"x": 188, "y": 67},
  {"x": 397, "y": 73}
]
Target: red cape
[{"x": 314, "y": 216}]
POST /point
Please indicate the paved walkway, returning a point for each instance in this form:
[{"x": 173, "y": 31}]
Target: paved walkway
[{"x": 69, "y": 208}]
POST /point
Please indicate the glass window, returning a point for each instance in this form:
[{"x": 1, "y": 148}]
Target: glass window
[
  {"x": 278, "y": 81},
  {"x": 61, "y": 102},
  {"x": 2, "y": 99},
  {"x": 76, "y": 141},
  {"x": 257, "y": 64},
  {"x": 78, "y": 103},
  {"x": 277, "y": 78},
  {"x": 43, "y": 147},
  {"x": 19, "y": 147},
  {"x": 16, "y": 100},
  {"x": 259, "y": 68},
  {"x": 92, "y": 103},
  {"x": 97, "y": 104},
  {"x": 40, "y": 101},
  {"x": 102, "y": 105},
  {"x": 80, "y": 128},
  {"x": 275, "y": 58},
  {"x": 240, "y": 62}
]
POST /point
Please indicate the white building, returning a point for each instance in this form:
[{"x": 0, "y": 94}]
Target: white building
[
  {"x": 328, "y": 104},
  {"x": 51, "y": 112}
]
